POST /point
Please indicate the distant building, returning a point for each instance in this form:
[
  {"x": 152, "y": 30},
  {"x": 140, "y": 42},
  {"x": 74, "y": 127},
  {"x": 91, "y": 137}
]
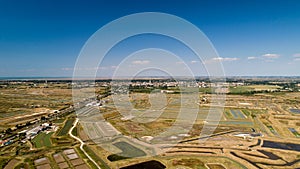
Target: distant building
[
  {"x": 248, "y": 135},
  {"x": 45, "y": 125},
  {"x": 166, "y": 91}
]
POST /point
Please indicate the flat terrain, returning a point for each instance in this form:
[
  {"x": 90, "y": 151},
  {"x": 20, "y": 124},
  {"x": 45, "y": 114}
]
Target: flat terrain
[
  {"x": 253, "y": 130},
  {"x": 268, "y": 115},
  {"x": 42, "y": 140}
]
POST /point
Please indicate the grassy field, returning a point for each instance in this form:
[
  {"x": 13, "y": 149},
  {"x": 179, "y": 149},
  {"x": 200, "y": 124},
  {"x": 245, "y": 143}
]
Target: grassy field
[
  {"x": 59, "y": 120},
  {"x": 74, "y": 131},
  {"x": 42, "y": 140},
  {"x": 3, "y": 162},
  {"x": 264, "y": 87},
  {"x": 68, "y": 124},
  {"x": 16, "y": 101},
  {"x": 206, "y": 90},
  {"x": 252, "y": 88},
  {"x": 82, "y": 155},
  {"x": 240, "y": 90},
  {"x": 128, "y": 151},
  {"x": 95, "y": 157}
]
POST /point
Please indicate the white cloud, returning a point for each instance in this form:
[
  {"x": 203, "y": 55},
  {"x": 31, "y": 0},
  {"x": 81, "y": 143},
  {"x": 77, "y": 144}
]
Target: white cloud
[
  {"x": 140, "y": 62},
  {"x": 220, "y": 59},
  {"x": 271, "y": 55},
  {"x": 194, "y": 61},
  {"x": 297, "y": 59},
  {"x": 224, "y": 59},
  {"x": 297, "y": 55},
  {"x": 252, "y": 58}
]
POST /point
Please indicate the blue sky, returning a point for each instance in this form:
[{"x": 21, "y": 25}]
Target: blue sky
[{"x": 44, "y": 38}]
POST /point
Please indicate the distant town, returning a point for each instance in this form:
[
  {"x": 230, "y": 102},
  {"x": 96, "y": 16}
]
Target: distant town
[{"x": 42, "y": 127}]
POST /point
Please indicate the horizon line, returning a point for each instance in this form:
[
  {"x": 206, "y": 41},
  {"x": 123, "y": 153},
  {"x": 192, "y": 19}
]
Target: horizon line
[{"x": 138, "y": 77}]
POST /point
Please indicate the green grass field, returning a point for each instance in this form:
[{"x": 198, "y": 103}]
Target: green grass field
[
  {"x": 252, "y": 88},
  {"x": 59, "y": 120},
  {"x": 74, "y": 131},
  {"x": 206, "y": 90},
  {"x": 82, "y": 155},
  {"x": 94, "y": 156},
  {"x": 240, "y": 90},
  {"x": 68, "y": 124},
  {"x": 42, "y": 140},
  {"x": 128, "y": 151},
  {"x": 3, "y": 162}
]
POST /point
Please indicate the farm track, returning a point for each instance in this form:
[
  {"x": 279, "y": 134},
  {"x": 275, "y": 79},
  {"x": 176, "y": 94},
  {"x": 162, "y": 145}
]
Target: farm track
[{"x": 81, "y": 143}]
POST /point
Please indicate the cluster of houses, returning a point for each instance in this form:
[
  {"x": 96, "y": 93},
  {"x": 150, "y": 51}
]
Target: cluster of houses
[
  {"x": 186, "y": 83},
  {"x": 6, "y": 141},
  {"x": 144, "y": 83},
  {"x": 27, "y": 134},
  {"x": 30, "y": 134}
]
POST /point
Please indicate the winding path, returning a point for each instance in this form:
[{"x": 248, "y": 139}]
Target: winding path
[{"x": 81, "y": 143}]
